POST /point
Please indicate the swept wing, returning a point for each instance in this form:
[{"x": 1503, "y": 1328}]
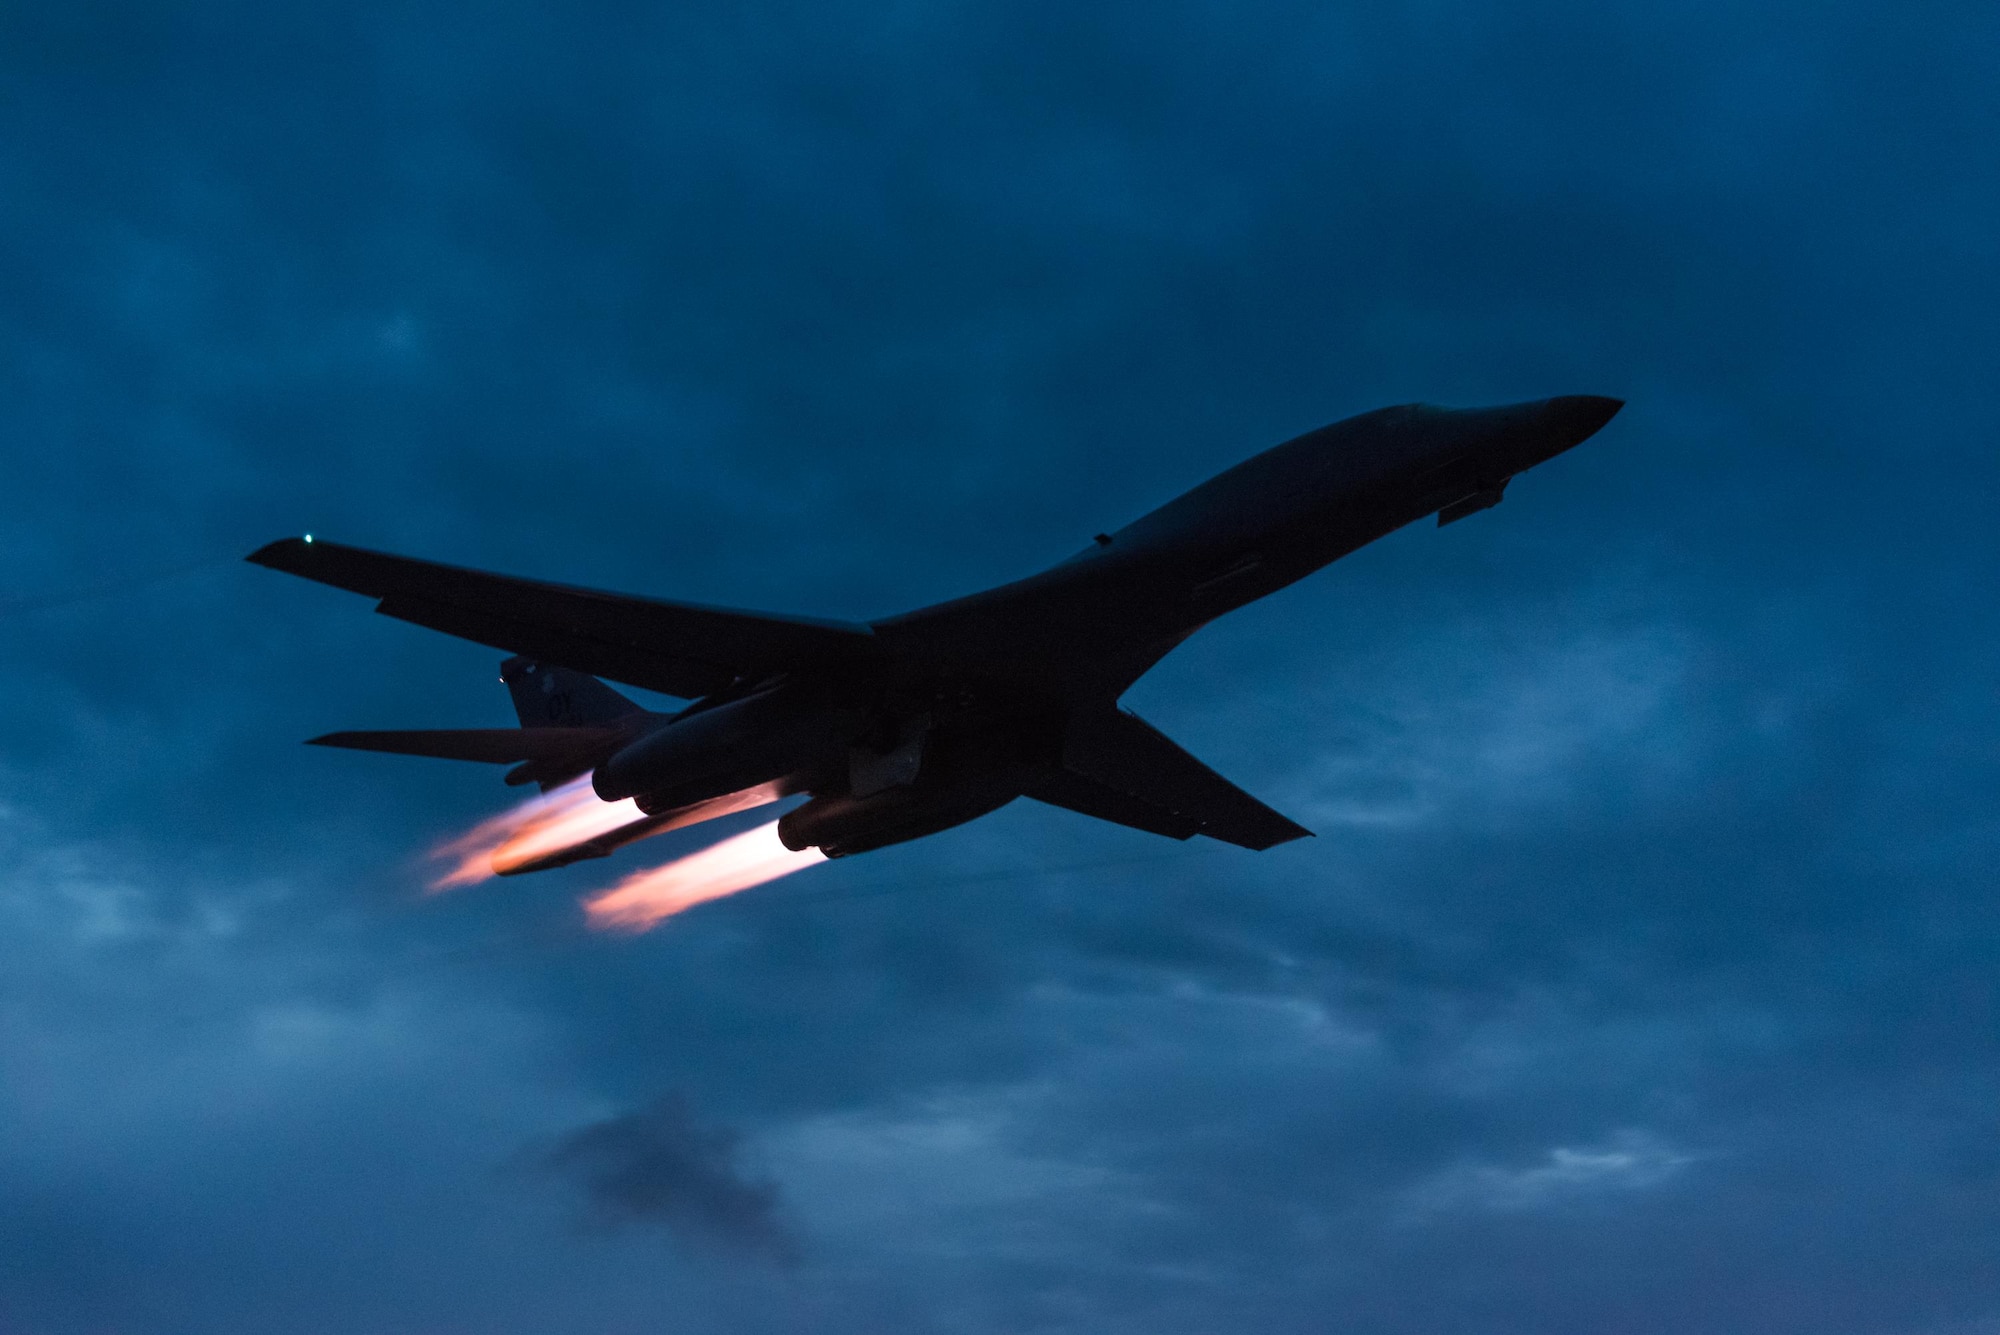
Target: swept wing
[
  {"x": 681, "y": 649},
  {"x": 1117, "y": 767}
]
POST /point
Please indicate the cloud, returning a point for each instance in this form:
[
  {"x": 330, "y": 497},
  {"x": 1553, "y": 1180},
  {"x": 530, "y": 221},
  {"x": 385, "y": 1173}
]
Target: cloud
[
  {"x": 656, "y": 1166},
  {"x": 1501, "y": 722},
  {"x": 1655, "y": 806},
  {"x": 1633, "y": 1160}
]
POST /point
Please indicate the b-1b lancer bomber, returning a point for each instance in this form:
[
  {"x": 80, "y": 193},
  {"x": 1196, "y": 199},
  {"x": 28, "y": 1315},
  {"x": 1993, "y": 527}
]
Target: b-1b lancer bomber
[{"x": 899, "y": 728}]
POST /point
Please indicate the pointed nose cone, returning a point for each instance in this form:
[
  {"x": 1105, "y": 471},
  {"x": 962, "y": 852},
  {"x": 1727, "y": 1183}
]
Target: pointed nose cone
[
  {"x": 1516, "y": 437},
  {"x": 1575, "y": 418}
]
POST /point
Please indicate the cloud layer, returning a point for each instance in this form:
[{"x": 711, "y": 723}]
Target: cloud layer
[{"x": 1640, "y": 978}]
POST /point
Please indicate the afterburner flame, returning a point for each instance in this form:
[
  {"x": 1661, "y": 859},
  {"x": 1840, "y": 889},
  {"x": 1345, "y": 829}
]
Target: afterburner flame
[
  {"x": 737, "y": 863},
  {"x": 561, "y": 818}
]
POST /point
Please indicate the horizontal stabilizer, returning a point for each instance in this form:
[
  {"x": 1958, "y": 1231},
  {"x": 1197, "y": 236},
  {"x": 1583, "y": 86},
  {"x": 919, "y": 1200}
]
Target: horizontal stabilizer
[
  {"x": 1117, "y": 767},
  {"x": 494, "y": 746},
  {"x": 679, "y": 649}
]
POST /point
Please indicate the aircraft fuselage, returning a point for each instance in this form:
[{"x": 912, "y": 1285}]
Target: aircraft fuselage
[
  {"x": 995, "y": 674},
  {"x": 910, "y": 724}
]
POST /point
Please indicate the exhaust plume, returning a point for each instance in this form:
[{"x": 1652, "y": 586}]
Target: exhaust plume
[
  {"x": 559, "y": 819},
  {"x": 737, "y": 863}
]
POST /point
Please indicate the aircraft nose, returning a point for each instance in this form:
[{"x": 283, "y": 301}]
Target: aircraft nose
[
  {"x": 1518, "y": 436},
  {"x": 1575, "y": 418}
]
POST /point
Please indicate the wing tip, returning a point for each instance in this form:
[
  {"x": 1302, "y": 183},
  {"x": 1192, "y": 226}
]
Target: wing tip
[
  {"x": 285, "y": 554},
  {"x": 1267, "y": 835},
  {"x": 1265, "y": 843}
]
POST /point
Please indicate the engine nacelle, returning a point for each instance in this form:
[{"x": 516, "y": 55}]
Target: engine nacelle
[
  {"x": 839, "y": 825},
  {"x": 739, "y": 744}
]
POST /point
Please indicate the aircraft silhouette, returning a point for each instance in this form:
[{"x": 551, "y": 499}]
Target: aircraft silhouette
[{"x": 910, "y": 725}]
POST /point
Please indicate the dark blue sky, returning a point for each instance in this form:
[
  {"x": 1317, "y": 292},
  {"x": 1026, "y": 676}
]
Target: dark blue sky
[{"x": 1642, "y": 977}]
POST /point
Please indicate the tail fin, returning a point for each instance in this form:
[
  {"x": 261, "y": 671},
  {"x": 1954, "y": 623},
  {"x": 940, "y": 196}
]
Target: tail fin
[{"x": 546, "y": 696}]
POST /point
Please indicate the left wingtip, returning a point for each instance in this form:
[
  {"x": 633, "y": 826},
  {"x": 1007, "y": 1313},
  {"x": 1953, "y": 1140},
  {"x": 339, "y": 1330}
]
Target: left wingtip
[{"x": 284, "y": 554}]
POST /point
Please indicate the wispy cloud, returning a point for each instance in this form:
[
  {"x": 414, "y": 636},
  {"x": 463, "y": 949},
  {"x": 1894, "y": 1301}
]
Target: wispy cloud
[{"x": 1565, "y": 1175}]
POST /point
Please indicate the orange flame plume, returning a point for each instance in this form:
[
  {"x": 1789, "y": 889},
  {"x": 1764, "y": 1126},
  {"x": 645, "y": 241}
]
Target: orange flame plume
[
  {"x": 561, "y": 818},
  {"x": 643, "y": 899}
]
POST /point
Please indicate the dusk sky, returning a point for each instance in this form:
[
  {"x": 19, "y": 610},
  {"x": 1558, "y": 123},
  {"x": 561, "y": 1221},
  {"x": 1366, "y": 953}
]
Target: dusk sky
[{"x": 1644, "y": 975}]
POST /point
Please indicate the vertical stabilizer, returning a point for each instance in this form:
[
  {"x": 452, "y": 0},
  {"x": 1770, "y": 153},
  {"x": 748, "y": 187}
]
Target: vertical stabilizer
[{"x": 546, "y": 696}]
